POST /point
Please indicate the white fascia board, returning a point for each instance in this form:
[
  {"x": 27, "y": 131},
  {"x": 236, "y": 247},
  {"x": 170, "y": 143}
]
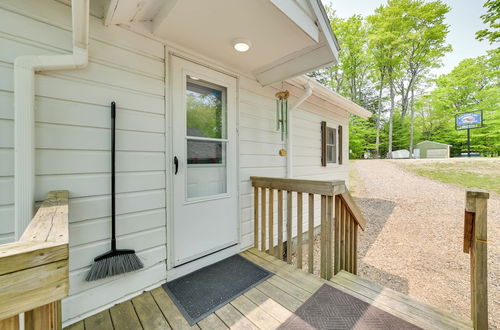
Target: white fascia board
[
  {"x": 332, "y": 97},
  {"x": 297, "y": 14},
  {"x": 324, "y": 25}
]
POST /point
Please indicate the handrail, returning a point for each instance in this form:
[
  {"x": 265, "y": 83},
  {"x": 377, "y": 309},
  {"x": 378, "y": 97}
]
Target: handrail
[
  {"x": 340, "y": 218},
  {"x": 476, "y": 244},
  {"x": 327, "y": 188},
  {"x": 34, "y": 270},
  {"x": 354, "y": 209}
]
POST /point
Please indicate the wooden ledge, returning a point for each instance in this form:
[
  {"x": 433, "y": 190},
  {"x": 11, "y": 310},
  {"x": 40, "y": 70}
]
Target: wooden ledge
[
  {"x": 327, "y": 188},
  {"x": 34, "y": 270}
]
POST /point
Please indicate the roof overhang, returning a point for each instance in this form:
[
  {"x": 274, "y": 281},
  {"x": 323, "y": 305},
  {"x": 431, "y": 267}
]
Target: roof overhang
[
  {"x": 333, "y": 98},
  {"x": 289, "y": 37}
]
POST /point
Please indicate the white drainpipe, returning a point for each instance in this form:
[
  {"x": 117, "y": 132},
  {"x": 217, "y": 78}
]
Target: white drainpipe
[
  {"x": 24, "y": 100},
  {"x": 289, "y": 158}
]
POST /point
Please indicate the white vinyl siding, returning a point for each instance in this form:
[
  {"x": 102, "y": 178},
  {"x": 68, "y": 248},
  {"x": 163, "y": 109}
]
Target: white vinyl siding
[
  {"x": 260, "y": 143},
  {"x": 72, "y": 110}
]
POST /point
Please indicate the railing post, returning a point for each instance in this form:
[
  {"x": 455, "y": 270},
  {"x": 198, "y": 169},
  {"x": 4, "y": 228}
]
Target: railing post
[
  {"x": 11, "y": 323},
  {"x": 47, "y": 317},
  {"x": 256, "y": 217},
  {"x": 475, "y": 243},
  {"x": 263, "y": 219}
]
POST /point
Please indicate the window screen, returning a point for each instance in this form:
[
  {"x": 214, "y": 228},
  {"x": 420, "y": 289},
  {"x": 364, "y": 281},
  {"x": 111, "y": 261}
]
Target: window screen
[{"x": 331, "y": 150}]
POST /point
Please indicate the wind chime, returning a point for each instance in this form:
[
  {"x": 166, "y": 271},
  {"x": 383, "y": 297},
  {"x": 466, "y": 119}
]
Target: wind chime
[{"x": 282, "y": 117}]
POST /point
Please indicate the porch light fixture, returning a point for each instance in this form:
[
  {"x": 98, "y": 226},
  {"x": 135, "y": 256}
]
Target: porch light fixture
[{"x": 241, "y": 45}]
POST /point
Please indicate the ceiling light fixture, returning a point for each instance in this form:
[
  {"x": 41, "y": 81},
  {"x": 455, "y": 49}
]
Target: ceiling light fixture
[{"x": 242, "y": 45}]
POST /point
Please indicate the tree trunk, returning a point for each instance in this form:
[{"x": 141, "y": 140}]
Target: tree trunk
[
  {"x": 379, "y": 114},
  {"x": 412, "y": 114},
  {"x": 391, "y": 116}
]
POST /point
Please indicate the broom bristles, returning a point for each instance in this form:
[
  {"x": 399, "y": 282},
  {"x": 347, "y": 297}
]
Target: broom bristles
[{"x": 114, "y": 265}]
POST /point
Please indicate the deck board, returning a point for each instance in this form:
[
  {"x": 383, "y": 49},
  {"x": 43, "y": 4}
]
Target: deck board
[
  {"x": 234, "y": 319},
  {"x": 170, "y": 311},
  {"x": 99, "y": 321},
  {"x": 269, "y": 304},
  {"x": 124, "y": 316},
  {"x": 149, "y": 313},
  {"x": 212, "y": 322}
]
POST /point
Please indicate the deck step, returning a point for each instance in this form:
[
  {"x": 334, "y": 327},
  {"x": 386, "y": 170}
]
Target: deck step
[{"x": 401, "y": 305}]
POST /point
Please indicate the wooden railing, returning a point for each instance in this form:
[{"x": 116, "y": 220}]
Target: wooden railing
[
  {"x": 476, "y": 244},
  {"x": 34, "y": 270},
  {"x": 340, "y": 218}
]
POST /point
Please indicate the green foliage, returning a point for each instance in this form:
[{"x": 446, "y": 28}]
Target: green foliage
[
  {"x": 482, "y": 174},
  {"x": 384, "y": 66},
  {"x": 361, "y": 136},
  {"x": 491, "y": 18},
  {"x": 204, "y": 115},
  {"x": 473, "y": 85},
  {"x": 401, "y": 134}
]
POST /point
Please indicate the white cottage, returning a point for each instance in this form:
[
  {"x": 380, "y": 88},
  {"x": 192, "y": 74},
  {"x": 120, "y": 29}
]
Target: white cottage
[{"x": 194, "y": 84}]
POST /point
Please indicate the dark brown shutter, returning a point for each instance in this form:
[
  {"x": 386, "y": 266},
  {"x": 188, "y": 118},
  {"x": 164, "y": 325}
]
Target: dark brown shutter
[
  {"x": 323, "y": 143},
  {"x": 340, "y": 145}
]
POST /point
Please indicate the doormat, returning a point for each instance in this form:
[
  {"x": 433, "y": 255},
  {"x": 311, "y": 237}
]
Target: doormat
[
  {"x": 202, "y": 292},
  {"x": 330, "y": 308}
]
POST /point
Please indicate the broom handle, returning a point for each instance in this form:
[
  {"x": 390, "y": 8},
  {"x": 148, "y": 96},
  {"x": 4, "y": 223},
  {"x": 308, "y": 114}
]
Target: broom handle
[{"x": 113, "y": 213}]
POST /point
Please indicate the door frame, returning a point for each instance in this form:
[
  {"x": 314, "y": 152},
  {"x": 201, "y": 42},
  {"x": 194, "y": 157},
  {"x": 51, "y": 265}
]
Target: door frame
[{"x": 173, "y": 273}]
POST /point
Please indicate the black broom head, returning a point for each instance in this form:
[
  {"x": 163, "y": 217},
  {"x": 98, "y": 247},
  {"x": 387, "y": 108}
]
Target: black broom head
[{"x": 114, "y": 263}]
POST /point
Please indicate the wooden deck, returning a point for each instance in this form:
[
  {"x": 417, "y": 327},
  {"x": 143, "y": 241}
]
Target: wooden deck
[{"x": 267, "y": 305}]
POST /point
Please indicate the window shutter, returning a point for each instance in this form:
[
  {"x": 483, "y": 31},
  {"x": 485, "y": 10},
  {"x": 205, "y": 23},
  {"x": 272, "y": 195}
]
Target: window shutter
[
  {"x": 340, "y": 145},
  {"x": 323, "y": 143}
]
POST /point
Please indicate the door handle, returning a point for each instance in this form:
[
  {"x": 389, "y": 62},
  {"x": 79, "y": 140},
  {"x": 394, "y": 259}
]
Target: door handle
[{"x": 176, "y": 165}]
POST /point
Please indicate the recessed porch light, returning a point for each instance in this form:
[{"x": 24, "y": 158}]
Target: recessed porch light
[{"x": 241, "y": 45}]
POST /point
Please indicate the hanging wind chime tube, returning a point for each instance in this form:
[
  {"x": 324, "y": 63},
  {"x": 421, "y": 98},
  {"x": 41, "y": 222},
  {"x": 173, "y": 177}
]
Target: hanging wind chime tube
[{"x": 282, "y": 113}]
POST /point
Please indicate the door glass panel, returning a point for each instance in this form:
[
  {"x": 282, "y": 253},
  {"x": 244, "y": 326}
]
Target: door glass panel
[
  {"x": 205, "y": 106},
  {"x": 206, "y": 143}
]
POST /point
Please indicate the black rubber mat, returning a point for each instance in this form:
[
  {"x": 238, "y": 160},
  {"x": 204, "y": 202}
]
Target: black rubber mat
[
  {"x": 202, "y": 292},
  {"x": 330, "y": 308}
]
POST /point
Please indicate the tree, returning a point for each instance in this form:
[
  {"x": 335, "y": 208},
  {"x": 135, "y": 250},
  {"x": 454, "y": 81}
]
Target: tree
[
  {"x": 474, "y": 84},
  {"x": 385, "y": 39},
  {"x": 491, "y": 19}
]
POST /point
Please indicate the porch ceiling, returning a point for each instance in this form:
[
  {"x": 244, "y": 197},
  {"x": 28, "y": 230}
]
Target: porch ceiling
[{"x": 286, "y": 36}]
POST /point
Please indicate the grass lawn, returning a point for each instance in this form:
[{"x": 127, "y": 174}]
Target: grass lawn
[{"x": 482, "y": 173}]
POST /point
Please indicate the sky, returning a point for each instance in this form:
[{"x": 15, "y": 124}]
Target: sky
[{"x": 464, "y": 20}]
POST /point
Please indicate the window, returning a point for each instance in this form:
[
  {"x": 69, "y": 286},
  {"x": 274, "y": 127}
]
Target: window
[{"x": 329, "y": 145}]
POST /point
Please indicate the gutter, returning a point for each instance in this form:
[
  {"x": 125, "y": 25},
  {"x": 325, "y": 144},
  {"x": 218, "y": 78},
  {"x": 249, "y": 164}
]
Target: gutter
[
  {"x": 25, "y": 68},
  {"x": 289, "y": 159}
]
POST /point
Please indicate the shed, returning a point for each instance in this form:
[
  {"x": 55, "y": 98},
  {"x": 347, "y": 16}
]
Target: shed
[{"x": 431, "y": 149}]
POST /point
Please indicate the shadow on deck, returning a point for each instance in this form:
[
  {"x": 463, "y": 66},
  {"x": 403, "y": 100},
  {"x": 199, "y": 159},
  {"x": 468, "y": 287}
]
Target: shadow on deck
[{"x": 268, "y": 305}]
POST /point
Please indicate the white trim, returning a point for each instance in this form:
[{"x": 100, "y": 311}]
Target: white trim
[
  {"x": 234, "y": 247},
  {"x": 24, "y": 104},
  {"x": 297, "y": 15},
  {"x": 107, "y": 306},
  {"x": 194, "y": 265}
]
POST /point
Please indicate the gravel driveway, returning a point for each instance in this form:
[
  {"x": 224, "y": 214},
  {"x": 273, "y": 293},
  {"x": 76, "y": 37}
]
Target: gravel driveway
[{"x": 413, "y": 241}]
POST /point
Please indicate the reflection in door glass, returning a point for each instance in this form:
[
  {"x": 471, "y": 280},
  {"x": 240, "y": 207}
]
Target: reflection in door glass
[
  {"x": 206, "y": 143},
  {"x": 205, "y": 115}
]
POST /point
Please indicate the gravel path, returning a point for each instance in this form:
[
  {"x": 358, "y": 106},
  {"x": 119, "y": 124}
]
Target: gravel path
[{"x": 413, "y": 241}]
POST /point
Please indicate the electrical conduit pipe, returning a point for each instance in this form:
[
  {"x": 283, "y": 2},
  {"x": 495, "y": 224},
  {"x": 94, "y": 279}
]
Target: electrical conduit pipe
[
  {"x": 289, "y": 136},
  {"x": 24, "y": 100}
]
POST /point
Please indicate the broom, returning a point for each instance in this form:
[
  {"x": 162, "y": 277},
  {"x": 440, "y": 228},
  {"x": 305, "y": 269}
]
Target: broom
[{"x": 115, "y": 261}]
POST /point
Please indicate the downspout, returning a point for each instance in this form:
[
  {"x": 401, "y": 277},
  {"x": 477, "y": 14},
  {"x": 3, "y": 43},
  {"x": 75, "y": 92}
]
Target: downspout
[
  {"x": 24, "y": 100},
  {"x": 289, "y": 136}
]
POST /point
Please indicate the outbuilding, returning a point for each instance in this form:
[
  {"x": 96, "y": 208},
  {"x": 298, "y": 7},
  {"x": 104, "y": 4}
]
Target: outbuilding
[{"x": 431, "y": 149}]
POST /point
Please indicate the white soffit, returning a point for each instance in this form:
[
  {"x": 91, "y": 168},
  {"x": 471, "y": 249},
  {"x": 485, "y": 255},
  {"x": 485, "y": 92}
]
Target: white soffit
[{"x": 289, "y": 37}]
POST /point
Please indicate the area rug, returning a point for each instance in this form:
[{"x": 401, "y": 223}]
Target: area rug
[
  {"x": 200, "y": 293},
  {"x": 330, "y": 308}
]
